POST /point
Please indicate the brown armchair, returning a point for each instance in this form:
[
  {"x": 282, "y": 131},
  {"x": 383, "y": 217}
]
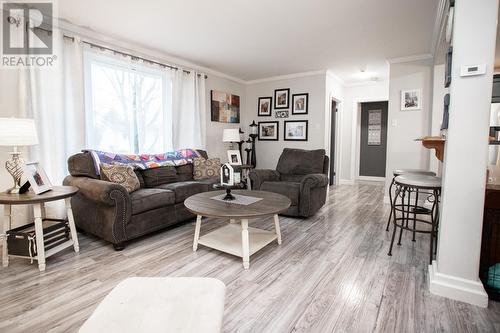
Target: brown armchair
[{"x": 301, "y": 175}]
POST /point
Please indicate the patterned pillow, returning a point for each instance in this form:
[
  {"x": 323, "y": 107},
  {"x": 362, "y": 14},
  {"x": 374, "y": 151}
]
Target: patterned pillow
[
  {"x": 206, "y": 168},
  {"x": 122, "y": 174}
]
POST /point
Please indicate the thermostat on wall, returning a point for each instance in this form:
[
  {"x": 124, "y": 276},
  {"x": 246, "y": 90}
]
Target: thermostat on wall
[{"x": 472, "y": 70}]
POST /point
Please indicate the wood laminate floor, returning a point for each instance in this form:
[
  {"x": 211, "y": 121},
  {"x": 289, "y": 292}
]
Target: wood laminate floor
[{"x": 331, "y": 274}]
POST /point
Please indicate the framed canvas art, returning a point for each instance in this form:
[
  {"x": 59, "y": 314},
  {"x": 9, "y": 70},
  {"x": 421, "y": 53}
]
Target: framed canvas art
[
  {"x": 296, "y": 130},
  {"x": 268, "y": 130},
  {"x": 300, "y": 103},
  {"x": 225, "y": 107},
  {"x": 264, "y": 106},
  {"x": 281, "y": 98}
]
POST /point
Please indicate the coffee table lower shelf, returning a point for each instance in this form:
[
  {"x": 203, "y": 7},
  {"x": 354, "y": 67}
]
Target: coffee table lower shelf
[{"x": 228, "y": 239}]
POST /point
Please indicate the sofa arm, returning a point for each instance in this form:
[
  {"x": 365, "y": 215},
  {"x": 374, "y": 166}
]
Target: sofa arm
[
  {"x": 313, "y": 189},
  {"x": 259, "y": 176},
  {"x": 101, "y": 208},
  {"x": 100, "y": 191}
]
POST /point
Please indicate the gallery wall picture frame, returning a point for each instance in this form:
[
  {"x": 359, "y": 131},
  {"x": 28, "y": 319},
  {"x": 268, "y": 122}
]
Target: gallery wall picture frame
[
  {"x": 269, "y": 130},
  {"x": 281, "y": 114},
  {"x": 296, "y": 130},
  {"x": 264, "y": 106},
  {"x": 411, "y": 99},
  {"x": 282, "y": 98},
  {"x": 37, "y": 177},
  {"x": 300, "y": 103},
  {"x": 224, "y": 107}
]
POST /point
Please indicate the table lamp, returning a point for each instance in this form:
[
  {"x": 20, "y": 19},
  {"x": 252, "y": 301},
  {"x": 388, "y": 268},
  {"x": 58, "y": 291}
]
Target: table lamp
[
  {"x": 231, "y": 135},
  {"x": 17, "y": 132}
]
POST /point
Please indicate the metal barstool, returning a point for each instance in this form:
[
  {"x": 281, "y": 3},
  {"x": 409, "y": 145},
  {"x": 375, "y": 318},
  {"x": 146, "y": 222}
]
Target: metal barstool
[
  {"x": 406, "y": 185},
  {"x": 400, "y": 172}
]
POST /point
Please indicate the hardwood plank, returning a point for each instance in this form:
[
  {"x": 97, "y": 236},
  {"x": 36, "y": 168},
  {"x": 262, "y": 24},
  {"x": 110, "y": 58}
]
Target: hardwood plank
[{"x": 331, "y": 274}]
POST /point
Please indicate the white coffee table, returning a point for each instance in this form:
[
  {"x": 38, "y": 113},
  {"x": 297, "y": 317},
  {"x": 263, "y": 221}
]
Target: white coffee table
[{"x": 239, "y": 241}]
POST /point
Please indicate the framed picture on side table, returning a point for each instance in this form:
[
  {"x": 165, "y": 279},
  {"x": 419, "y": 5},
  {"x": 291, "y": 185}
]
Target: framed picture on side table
[
  {"x": 234, "y": 157},
  {"x": 296, "y": 130},
  {"x": 37, "y": 177}
]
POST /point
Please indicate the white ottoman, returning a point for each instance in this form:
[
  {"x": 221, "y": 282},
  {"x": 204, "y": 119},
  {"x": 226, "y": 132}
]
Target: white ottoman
[{"x": 177, "y": 304}]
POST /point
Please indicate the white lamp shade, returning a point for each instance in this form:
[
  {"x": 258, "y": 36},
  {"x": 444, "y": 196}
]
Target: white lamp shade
[
  {"x": 18, "y": 132},
  {"x": 231, "y": 135}
]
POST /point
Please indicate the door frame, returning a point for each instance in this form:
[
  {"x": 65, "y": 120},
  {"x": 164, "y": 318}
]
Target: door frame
[
  {"x": 356, "y": 148},
  {"x": 338, "y": 144}
]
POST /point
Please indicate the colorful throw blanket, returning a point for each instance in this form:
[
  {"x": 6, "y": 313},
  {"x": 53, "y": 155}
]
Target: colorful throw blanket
[{"x": 144, "y": 161}]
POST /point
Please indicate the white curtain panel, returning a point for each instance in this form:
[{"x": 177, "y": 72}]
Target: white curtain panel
[
  {"x": 53, "y": 96},
  {"x": 188, "y": 110}
]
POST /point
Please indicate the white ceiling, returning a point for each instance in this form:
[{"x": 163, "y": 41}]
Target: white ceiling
[{"x": 254, "y": 39}]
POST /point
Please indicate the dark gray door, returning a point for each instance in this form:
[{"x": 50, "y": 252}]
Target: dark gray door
[
  {"x": 373, "y": 146},
  {"x": 332, "y": 142}
]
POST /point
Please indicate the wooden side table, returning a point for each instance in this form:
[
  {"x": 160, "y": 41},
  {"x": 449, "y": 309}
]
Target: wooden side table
[{"x": 38, "y": 203}]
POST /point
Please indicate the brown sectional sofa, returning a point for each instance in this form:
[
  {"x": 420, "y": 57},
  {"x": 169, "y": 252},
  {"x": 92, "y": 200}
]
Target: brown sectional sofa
[{"x": 107, "y": 210}]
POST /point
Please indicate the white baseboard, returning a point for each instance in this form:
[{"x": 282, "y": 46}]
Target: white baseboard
[
  {"x": 346, "y": 182},
  {"x": 371, "y": 179},
  {"x": 459, "y": 289}
]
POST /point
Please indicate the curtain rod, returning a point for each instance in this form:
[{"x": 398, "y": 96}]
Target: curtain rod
[{"x": 133, "y": 57}]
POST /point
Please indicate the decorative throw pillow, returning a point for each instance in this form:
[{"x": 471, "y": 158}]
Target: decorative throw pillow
[
  {"x": 206, "y": 168},
  {"x": 122, "y": 174}
]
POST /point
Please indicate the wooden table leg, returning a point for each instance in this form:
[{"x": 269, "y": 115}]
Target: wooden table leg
[
  {"x": 277, "y": 227},
  {"x": 72, "y": 227},
  {"x": 6, "y": 227},
  {"x": 245, "y": 243},
  {"x": 40, "y": 248},
  {"x": 197, "y": 232}
]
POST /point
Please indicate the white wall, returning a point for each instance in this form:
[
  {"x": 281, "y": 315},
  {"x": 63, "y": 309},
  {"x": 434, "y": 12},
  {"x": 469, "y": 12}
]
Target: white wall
[
  {"x": 406, "y": 126},
  {"x": 455, "y": 272},
  {"x": 353, "y": 95},
  {"x": 214, "y": 145},
  {"x": 268, "y": 152}
]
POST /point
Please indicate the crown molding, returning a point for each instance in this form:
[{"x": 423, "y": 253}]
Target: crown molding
[
  {"x": 286, "y": 77},
  {"x": 367, "y": 83},
  {"x": 140, "y": 50},
  {"x": 416, "y": 57},
  {"x": 335, "y": 77},
  {"x": 439, "y": 25}
]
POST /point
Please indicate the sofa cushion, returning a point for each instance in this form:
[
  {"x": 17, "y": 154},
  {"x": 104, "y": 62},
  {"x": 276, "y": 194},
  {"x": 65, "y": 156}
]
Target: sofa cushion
[
  {"x": 184, "y": 190},
  {"x": 300, "y": 161},
  {"x": 288, "y": 189},
  {"x": 158, "y": 176},
  {"x": 209, "y": 182},
  {"x": 82, "y": 165},
  {"x": 206, "y": 168},
  {"x": 122, "y": 174},
  {"x": 146, "y": 199}
]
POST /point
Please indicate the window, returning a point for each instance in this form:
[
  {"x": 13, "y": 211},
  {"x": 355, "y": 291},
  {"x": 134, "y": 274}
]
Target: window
[{"x": 128, "y": 106}]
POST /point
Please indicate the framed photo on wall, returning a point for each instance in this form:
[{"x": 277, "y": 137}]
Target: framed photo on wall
[
  {"x": 296, "y": 130},
  {"x": 411, "y": 99},
  {"x": 264, "y": 106},
  {"x": 37, "y": 177},
  {"x": 225, "y": 107},
  {"x": 300, "y": 103},
  {"x": 282, "y": 98},
  {"x": 269, "y": 130}
]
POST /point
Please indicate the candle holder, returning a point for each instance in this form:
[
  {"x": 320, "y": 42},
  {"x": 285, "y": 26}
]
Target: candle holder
[{"x": 254, "y": 130}]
